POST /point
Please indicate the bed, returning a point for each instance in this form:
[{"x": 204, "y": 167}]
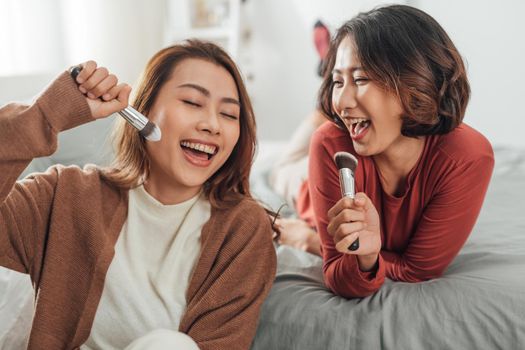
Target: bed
[{"x": 478, "y": 304}]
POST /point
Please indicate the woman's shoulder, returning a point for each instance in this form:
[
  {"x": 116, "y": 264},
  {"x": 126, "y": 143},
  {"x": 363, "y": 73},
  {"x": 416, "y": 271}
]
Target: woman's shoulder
[
  {"x": 243, "y": 215},
  {"x": 244, "y": 209},
  {"x": 329, "y": 131},
  {"x": 465, "y": 144},
  {"x": 73, "y": 178},
  {"x": 68, "y": 173},
  {"x": 332, "y": 138}
]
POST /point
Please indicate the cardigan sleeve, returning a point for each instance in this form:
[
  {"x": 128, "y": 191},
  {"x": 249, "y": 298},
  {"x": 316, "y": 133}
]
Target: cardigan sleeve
[
  {"x": 445, "y": 224},
  {"x": 28, "y": 132},
  {"x": 223, "y": 315}
]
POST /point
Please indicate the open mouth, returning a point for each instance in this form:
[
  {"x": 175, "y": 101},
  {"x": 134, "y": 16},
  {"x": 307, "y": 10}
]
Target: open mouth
[
  {"x": 358, "y": 126},
  {"x": 200, "y": 150}
]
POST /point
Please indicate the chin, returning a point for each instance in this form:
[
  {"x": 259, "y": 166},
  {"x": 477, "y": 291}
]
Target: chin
[
  {"x": 193, "y": 182},
  {"x": 362, "y": 151}
]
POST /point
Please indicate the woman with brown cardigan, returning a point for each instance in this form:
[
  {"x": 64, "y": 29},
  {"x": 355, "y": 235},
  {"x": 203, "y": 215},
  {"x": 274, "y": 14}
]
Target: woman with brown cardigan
[{"x": 165, "y": 248}]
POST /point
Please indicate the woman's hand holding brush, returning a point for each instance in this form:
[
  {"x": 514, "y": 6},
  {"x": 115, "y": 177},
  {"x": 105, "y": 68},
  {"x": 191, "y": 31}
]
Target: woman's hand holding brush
[{"x": 103, "y": 93}]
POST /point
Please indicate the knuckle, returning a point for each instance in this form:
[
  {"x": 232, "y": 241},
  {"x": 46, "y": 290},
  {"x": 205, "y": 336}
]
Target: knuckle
[
  {"x": 113, "y": 78},
  {"x": 340, "y": 232},
  {"x": 88, "y": 85},
  {"x": 103, "y": 70},
  {"x": 91, "y": 64},
  {"x": 97, "y": 90}
]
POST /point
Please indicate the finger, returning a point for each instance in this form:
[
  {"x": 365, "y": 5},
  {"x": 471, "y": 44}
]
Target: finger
[
  {"x": 123, "y": 95},
  {"x": 112, "y": 93},
  {"x": 107, "y": 108},
  {"x": 348, "y": 229},
  {"x": 277, "y": 223},
  {"x": 94, "y": 79},
  {"x": 343, "y": 203},
  {"x": 87, "y": 69},
  {"x": 121, "y": 101},
  {"x": 347, "y": 215},
  {"x": 342, "y": 245},
  {"x": 104, "y": 87},
  {"x": 361, "y": 200}
]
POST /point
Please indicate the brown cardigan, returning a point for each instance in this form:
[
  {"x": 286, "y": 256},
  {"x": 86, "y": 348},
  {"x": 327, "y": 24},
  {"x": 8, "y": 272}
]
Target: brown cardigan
[{"x": 61, "y": 227}]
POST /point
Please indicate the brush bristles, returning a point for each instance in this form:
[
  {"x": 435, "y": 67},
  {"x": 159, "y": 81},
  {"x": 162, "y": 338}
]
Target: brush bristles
[
  {"x": 345, "y": 160},
  {"x": 151, "y": 132}
]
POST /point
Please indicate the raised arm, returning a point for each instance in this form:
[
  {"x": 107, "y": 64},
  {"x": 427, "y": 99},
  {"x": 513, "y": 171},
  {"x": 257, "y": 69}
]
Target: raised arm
[{"x": 27, "y": 132}]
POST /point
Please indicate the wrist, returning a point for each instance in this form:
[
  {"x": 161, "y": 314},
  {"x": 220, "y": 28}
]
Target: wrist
[
  {"x": 368, "y": 262},
  {"x": 313, "y": 243}
]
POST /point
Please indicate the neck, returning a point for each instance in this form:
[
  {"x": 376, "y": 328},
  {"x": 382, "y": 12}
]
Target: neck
[
  {"x": 398, "y": 160},
  {"x": 168, "y": 194}
]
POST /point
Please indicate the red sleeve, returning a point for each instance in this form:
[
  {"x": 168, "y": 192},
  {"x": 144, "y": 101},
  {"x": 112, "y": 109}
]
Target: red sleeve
[
  {"x": 341, "y": 271},
  {"x": 445, "y": 223}
]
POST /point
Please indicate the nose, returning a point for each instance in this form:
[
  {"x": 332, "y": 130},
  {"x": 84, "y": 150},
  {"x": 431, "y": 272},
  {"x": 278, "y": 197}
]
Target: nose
[
  {"x": 210, "y": 123},
  {"x": 344, "y": 98}
]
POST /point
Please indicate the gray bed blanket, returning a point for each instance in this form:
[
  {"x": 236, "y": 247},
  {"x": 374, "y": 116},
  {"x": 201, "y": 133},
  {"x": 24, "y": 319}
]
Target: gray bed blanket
[{"x": 478, "y": 304}]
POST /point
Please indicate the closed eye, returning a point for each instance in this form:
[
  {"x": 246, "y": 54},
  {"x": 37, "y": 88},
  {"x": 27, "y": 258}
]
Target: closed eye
[
  {"x": 191, "y": 103},
  {"x": 230, "y": 116},
  {"x": 337, "y": 83},
  {"x": 360, "y": 81}
]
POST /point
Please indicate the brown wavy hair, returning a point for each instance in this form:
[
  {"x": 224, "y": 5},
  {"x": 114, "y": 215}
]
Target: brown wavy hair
[
  {"x": 131, "y": 163},
  {"x": 409, "y": 53}
]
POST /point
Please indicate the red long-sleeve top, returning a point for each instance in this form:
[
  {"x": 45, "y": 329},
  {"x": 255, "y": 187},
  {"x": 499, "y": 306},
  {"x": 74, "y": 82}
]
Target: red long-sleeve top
[{"x": 423, "y": 229}]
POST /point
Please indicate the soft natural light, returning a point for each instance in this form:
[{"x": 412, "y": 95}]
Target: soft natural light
[{"x": 30, "y": 36}]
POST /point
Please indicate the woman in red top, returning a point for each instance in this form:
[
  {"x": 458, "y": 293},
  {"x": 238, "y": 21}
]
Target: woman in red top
[{"x": 396, "y": 90}]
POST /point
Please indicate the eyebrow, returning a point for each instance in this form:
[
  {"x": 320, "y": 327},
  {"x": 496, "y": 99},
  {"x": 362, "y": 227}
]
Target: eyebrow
[
  {"x": 352, "y": 70},
  {"x": 207, "y": 93}
]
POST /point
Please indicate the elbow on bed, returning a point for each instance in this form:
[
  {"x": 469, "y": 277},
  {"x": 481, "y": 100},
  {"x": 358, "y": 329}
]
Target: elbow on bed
[
  {"x": 416, "y": 276},
  {"x": 348, "y": 289}
]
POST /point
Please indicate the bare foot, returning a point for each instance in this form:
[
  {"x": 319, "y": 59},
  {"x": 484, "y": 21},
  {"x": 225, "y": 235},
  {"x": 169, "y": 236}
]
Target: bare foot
[{"x": 296, "y": 233}]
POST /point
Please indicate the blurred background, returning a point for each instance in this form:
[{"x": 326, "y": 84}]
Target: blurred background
[{"x": 272, "y": 41}]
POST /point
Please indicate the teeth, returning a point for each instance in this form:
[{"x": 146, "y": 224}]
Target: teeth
[
  {"x": 360, "y": 125},
  {"x": 358, "y": 120},
  {"x": 200, "y": 147}
]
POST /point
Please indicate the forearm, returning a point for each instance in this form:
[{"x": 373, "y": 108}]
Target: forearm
[
  {"x": 368, "y": 263},
  {"x": 400, "y": 268},
  {"x": 445, "y": 226},
  {"x": 344, "y": 277},
  {"x": 27, "y": 132}
]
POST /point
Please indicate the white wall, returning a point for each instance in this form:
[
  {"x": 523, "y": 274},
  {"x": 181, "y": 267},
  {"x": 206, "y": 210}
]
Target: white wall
[
  {"x": 489, "y": 35},
  {"x": 284, "y": 60},
  {"x": 123, "y": 34},
  {"x": 119, "y": 34},
  {"x": 35, "y": 48}
]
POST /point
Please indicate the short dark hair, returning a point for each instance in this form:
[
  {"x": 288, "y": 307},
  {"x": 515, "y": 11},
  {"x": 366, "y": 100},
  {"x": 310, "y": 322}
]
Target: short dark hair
[{"x": 409, "y": 53}]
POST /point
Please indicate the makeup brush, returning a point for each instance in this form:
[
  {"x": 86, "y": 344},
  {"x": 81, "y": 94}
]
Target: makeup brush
[
  {"x": 347, "y": 163},
  {"x": 145, "y": 127}
]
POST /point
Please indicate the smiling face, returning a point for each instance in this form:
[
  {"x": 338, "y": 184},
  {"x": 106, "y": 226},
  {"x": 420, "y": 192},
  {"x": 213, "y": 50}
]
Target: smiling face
[
  {"x": 370, "y": 112},
  {"x": 198, "y": 111}
]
